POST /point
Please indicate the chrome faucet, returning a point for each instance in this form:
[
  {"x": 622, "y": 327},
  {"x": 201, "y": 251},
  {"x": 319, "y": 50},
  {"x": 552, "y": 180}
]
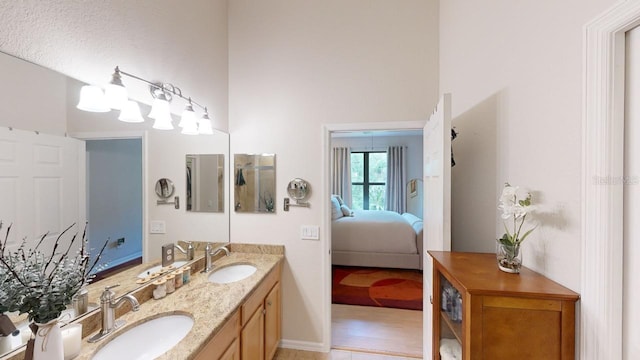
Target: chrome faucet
[
  {"x": 190, "y": 251},
  {"x": 209, "y": 253},
  {"x": 108, "y": 307}
]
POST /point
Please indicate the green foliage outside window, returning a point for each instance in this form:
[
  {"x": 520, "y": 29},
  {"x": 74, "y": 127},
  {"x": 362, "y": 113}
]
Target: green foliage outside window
[{"x": 368, "y": 180}]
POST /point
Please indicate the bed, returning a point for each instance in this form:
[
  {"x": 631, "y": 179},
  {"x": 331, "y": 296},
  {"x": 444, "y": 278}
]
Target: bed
[{"x": 375, "y": 238}]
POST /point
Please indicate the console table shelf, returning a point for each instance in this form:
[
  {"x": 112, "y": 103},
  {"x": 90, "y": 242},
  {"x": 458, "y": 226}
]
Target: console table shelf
[{"x": 504, "y": 316}]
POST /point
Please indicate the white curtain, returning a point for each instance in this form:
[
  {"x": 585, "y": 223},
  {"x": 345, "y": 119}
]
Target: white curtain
[
  {"x": 396, "y": 199},
  {"x": 341, "y": 177}
]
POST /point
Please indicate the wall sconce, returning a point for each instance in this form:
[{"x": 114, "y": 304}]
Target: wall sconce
[{"x": 115, "y": 97}]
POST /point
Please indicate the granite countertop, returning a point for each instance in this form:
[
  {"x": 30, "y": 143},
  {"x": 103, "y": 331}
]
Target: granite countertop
[{"x": 209, "y": 304}]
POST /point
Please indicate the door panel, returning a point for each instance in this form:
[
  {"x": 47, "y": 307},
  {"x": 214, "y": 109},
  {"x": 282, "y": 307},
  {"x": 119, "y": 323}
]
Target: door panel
[
  {"x": 437, "y": 202},
  {"x": 43, "y": 185}
]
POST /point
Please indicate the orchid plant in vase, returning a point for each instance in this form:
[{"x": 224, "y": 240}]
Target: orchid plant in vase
[{"x": 514, "y": 214}]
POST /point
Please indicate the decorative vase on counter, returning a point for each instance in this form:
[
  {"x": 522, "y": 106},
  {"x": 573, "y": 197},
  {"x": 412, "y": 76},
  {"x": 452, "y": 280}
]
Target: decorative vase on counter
[
  {"x": 509, "y": 257},
  {"x": 47, "y": 344}
]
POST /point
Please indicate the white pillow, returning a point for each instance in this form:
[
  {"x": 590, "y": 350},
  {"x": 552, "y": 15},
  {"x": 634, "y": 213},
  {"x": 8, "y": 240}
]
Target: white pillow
[
  {"x": 336, "y": 212},
  {"x": 339, "y": 198},
  {"x": 345, "y": 210}
]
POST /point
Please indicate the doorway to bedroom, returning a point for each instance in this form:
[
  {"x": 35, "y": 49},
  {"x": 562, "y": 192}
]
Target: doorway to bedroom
[{"x": 376, "y": 241}]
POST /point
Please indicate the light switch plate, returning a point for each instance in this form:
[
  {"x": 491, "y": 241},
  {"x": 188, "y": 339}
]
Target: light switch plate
[
  {"x": 157, "y": 227},
  {"x": 310, "y": 232}
]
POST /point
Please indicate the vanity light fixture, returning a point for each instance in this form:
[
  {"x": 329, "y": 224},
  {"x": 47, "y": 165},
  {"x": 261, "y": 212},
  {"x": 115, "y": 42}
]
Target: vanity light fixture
[{"x": 115, "y": 97}]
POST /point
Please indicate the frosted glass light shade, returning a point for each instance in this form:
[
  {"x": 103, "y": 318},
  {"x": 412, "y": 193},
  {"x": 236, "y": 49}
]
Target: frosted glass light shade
[
  {"x": 160, "y": 108},
  {"x": 92, "y": 99},
  {"x": 191, "y": 128},
  {"x": 131, "y": 113},
  {"x": 205, "y": 127},
  {"x": 116, "y": 96},
  {"x": 188, "y": 117},
  {"x": 163, "y": 121}
]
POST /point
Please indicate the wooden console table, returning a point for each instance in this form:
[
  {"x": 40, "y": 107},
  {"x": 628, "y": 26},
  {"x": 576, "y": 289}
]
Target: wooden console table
[{"x": 503, "y": 316}]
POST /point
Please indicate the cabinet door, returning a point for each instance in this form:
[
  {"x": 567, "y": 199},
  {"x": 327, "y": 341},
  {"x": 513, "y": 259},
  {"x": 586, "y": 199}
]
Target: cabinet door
[
  {"x": 252, "y": 337},
  {"x": 233, "y": 352},
  {"x": 272, "y": 322}
]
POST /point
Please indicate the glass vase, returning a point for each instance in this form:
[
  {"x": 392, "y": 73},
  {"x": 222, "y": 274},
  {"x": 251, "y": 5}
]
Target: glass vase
[{"x": 509, "y": 257}]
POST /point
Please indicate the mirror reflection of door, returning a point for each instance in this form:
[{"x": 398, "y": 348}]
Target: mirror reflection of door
[
  {"x": 205, "y": 182},
  {"x": 254, "y": 183}
]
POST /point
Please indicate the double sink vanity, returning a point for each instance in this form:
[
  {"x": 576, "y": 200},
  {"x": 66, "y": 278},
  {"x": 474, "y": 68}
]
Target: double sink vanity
[{"x": 231, "y": 312}]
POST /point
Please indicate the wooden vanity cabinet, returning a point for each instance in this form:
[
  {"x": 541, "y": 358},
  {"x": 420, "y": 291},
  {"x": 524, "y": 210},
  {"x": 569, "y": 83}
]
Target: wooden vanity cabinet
[
  {"x": 272, "y": 323},
  {"x": 501, "y": 315},
  {"x": 224, "y": 345},
  {"x": 261, "y": 320},
  {"x": 254, "y": 331}
]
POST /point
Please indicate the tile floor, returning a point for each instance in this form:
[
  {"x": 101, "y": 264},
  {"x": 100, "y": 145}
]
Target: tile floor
[{"x": 288, "y": 354}]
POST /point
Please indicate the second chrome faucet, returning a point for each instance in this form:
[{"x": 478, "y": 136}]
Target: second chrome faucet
[
  {"x": 108, "y": 307},
  {"x": 209, "y": 253}
]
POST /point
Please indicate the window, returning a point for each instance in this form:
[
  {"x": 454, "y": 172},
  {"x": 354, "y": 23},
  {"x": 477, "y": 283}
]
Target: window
[{"x": 368, "y": 180}]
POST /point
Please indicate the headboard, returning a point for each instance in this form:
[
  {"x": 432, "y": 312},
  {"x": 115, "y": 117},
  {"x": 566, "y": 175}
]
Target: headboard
[{"x": 414, "y": 197}]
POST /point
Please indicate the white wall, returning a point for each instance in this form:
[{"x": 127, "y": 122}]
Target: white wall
[
  {"x": 33, "y": 97},
  {"x": 295, "y": 65},
  {"x": 631, "y": 279},
  {"x": 413, "y": 144},
  {"x": 514, "y": 69},
  {"x": 166, "y": 158}
]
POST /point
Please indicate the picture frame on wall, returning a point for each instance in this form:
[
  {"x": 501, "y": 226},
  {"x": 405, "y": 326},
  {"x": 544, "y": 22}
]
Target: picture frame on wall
[{"x": 413, "y": 189}]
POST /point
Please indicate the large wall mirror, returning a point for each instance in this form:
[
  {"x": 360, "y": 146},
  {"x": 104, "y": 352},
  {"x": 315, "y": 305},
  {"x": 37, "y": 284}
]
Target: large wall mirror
[
  {"x": 254, "y": 183},
  {"x": 154, "y": 154},
  {"x": 205, "y": 182}
]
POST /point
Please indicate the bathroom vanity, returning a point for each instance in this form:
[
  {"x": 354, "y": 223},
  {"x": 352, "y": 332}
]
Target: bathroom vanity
[{"x": 236, "y": 320}]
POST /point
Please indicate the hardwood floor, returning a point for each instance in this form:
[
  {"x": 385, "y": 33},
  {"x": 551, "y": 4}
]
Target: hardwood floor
[
  {"x": 377, "y": 330},
  {"x": 288, "y": 354}
]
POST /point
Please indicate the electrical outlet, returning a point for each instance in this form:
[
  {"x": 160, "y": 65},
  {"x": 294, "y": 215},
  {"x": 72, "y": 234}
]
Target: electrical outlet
[
  {"x": 310, "y": 232},
  {"x": 168, "y": 252}
]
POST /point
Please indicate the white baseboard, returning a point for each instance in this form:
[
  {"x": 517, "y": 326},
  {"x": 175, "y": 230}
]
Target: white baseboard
[{"x": 303, "y": 345}]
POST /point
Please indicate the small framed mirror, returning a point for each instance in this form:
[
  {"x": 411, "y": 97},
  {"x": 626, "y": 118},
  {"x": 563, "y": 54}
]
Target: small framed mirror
[
  {"x": 298, "y": 189},
  {"x": 164, "y": 188},
  {"x": 254, "y": 183}
]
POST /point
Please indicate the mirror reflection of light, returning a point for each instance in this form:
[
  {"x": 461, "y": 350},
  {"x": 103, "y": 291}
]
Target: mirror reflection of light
[{"x": 92, "y": 99}]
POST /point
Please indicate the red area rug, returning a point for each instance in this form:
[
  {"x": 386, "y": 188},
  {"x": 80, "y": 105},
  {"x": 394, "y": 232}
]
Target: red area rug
[{"x": 393, "y": 288}]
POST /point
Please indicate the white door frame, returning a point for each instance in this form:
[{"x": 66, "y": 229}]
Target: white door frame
[
  {"x": 602, "y": 186},
  {"x": 327, "y": 129}
]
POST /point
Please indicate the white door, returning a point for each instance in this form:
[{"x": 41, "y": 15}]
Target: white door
[
  {"x": 437, "y": 202},
  {"x": 42, "y": 186}
]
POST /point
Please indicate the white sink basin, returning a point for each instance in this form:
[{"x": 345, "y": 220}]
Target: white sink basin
[
  {"x": 157, "y": 268},
  {"x": 232, "y": 273},
  {"x": 147, "y": 340}
]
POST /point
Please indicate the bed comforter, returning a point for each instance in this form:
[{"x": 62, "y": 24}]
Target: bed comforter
[{"x": 374, "y": 232}]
